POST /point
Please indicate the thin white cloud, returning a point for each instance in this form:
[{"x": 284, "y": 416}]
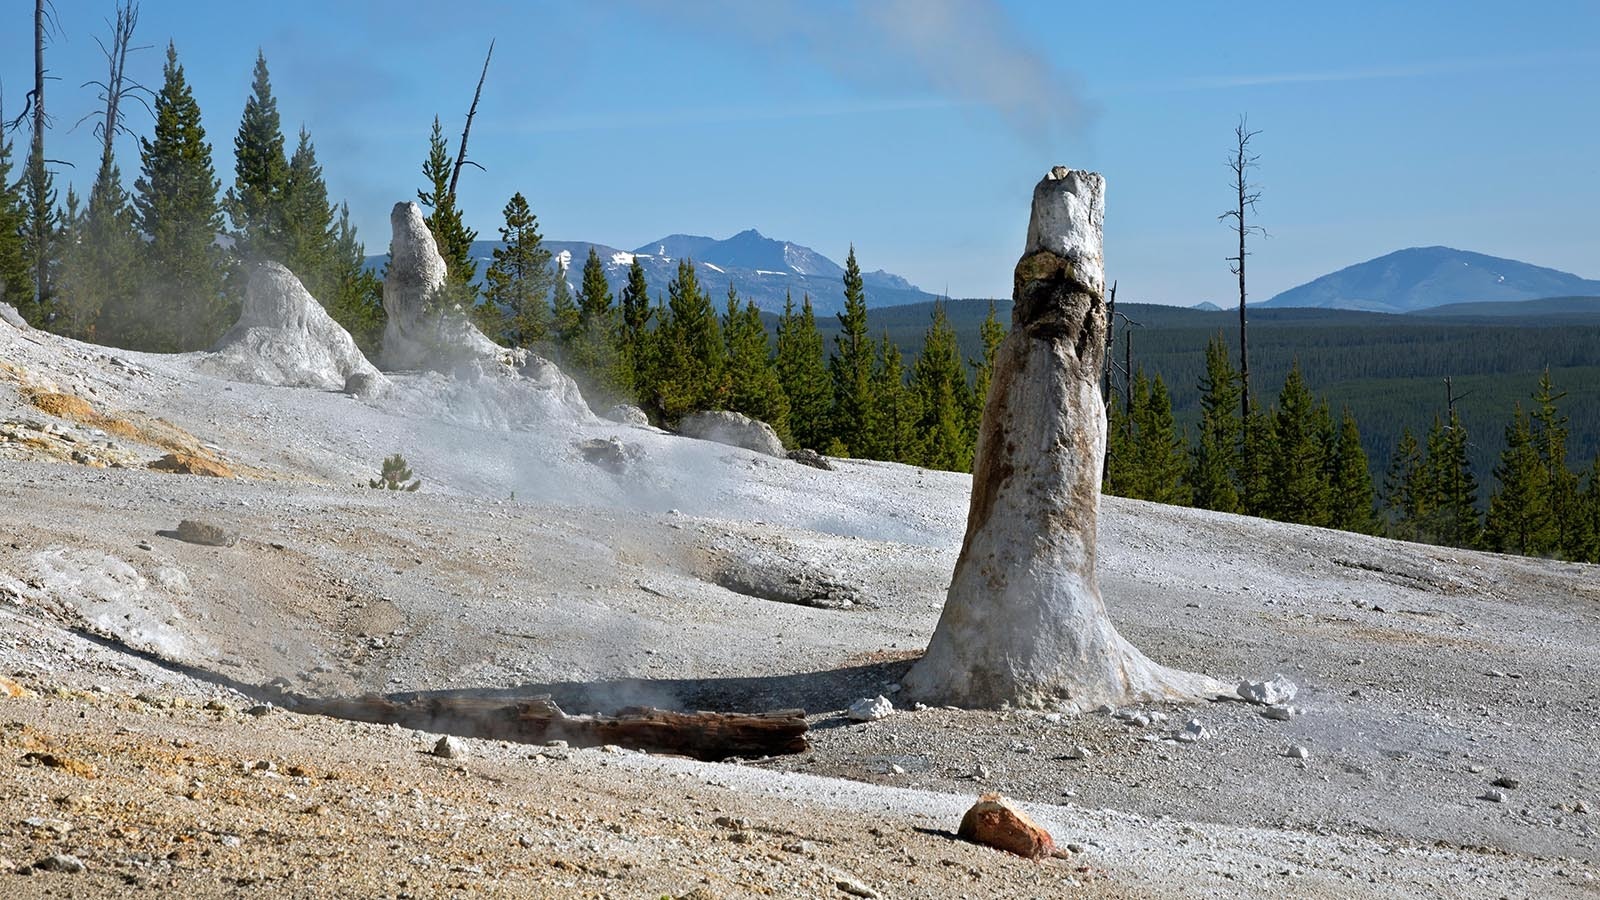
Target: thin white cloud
[{"x": 1421, "y": 69}]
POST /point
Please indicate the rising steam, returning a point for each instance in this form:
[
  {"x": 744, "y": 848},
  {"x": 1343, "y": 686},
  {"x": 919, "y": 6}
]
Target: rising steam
[{"x": 965, "y": 50}]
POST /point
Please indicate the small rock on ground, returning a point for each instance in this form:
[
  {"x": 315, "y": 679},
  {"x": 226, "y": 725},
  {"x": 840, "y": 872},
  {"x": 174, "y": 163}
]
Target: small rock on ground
[
  {"x": 994, "y": 822},
  {"x": 449, "y": 748},
  {"x": 61, "y": 862},
  {"x": 870, "y": 709},
  {"x": 194, "y": 531},
  {"x": 1278, "y": 690}
]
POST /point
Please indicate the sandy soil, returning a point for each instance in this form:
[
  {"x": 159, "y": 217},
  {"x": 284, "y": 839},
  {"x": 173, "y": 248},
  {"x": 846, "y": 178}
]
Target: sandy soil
[{"x": 1425, "y": 673}]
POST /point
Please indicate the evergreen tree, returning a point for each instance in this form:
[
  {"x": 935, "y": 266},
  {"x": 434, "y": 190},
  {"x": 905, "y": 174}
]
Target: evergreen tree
[
  {"x": 593, "y": 344},
  {"x": 1126, "y": 471},
  {"x": 850, "y": 366},
  {"x": 896, "y": 416},
  {"x": 309, "y": 237},
  {"x": 688, "y": 364},
  {"x": 753, "y": 387},
  {"x": 991, "y": 333},
  {"x": 16, "y": 286},
  {"x": 1550, "y": 438},
  {"x": 1450, "y": 503},
  {"x": 1589, "y": 503},
  {"x": 1520, "y": 517},
  {"x": 100, "y": 263},
  {"x": 357, "y": 300},
  {"x": 564, "y": 315},
  {"x": 444, "y": 221},
  {"x": 1158, "y": 451},
  {"x": 1403, "y": 491},
  {"x": 1216, "y": 454},
  {"x": 41, "y": 238},
  {"x": 943, "y": 401},
  {"x": 1119, "y": 480},
  {"x": 632, "y": 336},
  {"x": 1299, "y": 487},
  {"x": 175, "y": 199},
  {"x": 1257, "y": 439},
  {"x": 255, "y": 203},
  {"x": 518, "y": 280},
  {"x": 1350, "y": 482},
  {"x": 803, "y": 374}
]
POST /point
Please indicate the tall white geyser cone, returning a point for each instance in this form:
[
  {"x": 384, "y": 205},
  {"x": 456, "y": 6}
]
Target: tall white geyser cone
[
  {"x": 1024, "y": 622},
  {"x": 423, "y": 331}
]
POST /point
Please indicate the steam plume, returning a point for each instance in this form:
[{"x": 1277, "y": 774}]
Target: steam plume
[{"x": 965, "y": 50}]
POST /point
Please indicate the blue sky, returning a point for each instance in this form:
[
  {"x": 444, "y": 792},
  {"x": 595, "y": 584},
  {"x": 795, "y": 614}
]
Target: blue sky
[{"x": 916, "y": 128}]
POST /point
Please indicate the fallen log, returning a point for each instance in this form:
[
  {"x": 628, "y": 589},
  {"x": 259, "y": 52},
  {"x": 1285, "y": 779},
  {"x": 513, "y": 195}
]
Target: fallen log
[{"x": 708, "y": 736}]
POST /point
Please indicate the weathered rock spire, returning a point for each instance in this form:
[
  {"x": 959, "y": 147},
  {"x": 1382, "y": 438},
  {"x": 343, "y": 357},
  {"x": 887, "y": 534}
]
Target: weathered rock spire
[{"x": 1024, "y": 622}]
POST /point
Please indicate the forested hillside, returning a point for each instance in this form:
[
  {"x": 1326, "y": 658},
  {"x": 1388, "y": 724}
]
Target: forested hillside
[{"x": 1389, "y": 369}]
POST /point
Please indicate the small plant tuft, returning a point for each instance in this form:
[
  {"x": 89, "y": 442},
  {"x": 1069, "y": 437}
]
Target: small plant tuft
[{"x": 395, "y": 476}]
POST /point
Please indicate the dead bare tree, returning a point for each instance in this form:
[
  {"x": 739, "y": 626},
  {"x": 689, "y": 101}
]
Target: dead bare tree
[
  {"x": 1246, "y": 195},
  {"x": 1111, "y": 343},
  {"x": 117, "y": 87},
  {"x": 461, "y": 152}
]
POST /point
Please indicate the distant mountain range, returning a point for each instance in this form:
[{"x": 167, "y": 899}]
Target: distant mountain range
[
  {"x": 1425, "y": 277},
  {"x": 760, "y": 268}
]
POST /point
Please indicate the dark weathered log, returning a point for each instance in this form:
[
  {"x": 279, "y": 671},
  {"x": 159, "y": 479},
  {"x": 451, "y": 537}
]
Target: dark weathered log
[{"x": 701, "y": 735}]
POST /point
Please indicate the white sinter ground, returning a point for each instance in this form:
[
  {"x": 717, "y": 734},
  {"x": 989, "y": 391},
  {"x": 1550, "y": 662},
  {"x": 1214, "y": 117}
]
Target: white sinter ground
[{"x": 1425, "y": 673}]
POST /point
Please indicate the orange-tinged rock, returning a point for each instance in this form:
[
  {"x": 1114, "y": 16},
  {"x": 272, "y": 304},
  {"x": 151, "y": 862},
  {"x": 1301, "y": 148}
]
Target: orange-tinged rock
[
  {"x": 192, "y": 464},
  {"x": 9, "y": 688},
  {"x": 994, "y": 822},
  {"x": 65, "y": 763}
]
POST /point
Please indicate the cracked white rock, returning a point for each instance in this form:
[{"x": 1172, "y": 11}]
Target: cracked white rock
[
  {"x": 870, "y": 709},
  {"x": 1270, "y": 693}
]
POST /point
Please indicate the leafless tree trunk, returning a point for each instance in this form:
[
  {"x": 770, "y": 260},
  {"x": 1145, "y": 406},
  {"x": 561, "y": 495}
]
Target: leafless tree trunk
[
  {"x": 1111, "y": 343},
  {"x": 116, "y": 87},
  {"x": 461, "y": 152},
  {"x": 1240, "y": 163}
]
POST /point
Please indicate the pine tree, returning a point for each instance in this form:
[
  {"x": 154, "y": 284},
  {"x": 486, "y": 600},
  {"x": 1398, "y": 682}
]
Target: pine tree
[
  {"x": 1158, "y": 451},
  {"x": 255, "y": 203},
  {"x": 753, "y": 387},
  {"x": 895, "y": 419},
  {"x": 357, "y": 300},
  {"x": 850, "y": 366},
  {"x": 943, "y": 399},
  {"x": 593, "y": 346},
  {"x": 1550, "y": 438},
  {"x": 633, "y": 335},
  {"x": 1299, "y": 486},
  {"x": 100, "y": 264},
  {"x": 1450, "y": 503},
  {"x": 41, "y": 238},
  {"x": 309, "y": 237},
  {"x": 176, "y": 204},
  {"x": 1403, "y": 491},
  {"x": 1350, "y": 484},
  {"x": 15, "y": 284},
  {"x": 803, "y": 374},
  {"x": 688, "y": 365},
  {"x": 1119, "y": 473},
  {"x": 1256, "y": 441},
  {"x": 564, "y": 316},
  {"x": 444, "y": 221},
  {"x": 1589, "y": 504},
  {"x": 1216, "y": 453},
  {"x": 991, "y": 333},
  {"x": 1520, "y": 518},
  {"x": 518, "y": 280}
]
